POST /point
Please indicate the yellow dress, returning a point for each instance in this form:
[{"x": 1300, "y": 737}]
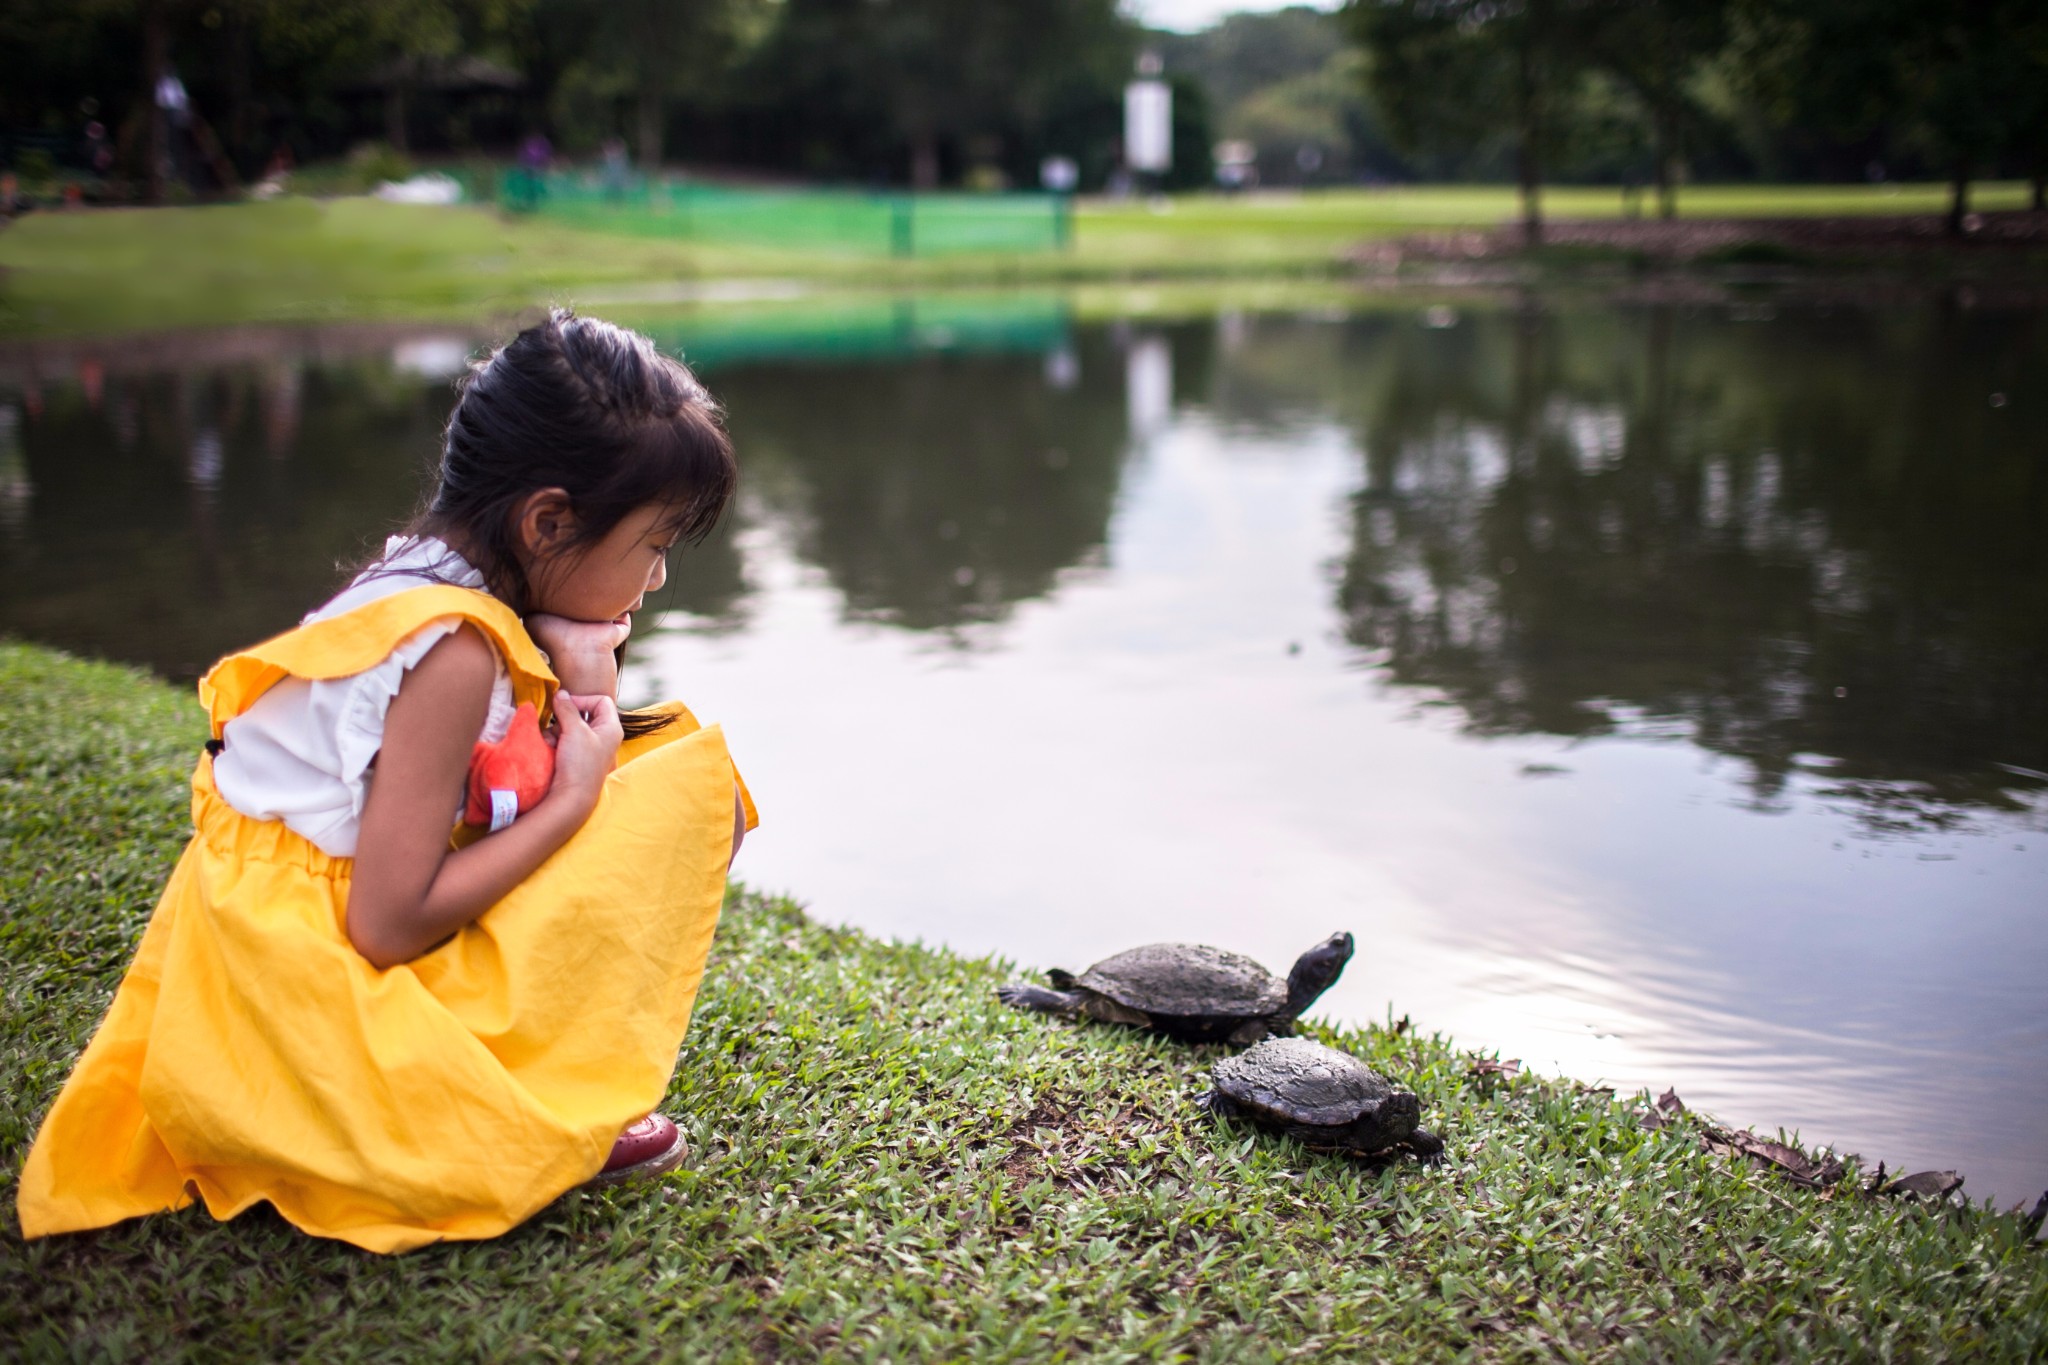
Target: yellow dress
[{"x": 252, "y": 1054}]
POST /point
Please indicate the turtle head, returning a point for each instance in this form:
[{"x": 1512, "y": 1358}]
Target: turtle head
[{"x": 1315, "y": 971}]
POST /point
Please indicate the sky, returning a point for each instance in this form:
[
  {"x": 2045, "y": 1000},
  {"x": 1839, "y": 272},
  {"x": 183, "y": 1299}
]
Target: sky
[{"x": 1192, "y": 16}]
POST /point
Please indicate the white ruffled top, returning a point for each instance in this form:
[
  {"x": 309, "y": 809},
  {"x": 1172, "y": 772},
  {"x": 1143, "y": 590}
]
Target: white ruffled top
[{"x": 305, "y": 752}]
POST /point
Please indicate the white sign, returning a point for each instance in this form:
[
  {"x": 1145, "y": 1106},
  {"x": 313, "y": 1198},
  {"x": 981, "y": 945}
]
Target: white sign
[{"x": 1148, "y": 126}]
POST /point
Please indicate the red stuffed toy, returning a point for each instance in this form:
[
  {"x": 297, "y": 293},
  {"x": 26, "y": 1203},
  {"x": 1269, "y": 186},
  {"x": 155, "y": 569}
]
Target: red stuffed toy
[{"x": 508, "y": 779}]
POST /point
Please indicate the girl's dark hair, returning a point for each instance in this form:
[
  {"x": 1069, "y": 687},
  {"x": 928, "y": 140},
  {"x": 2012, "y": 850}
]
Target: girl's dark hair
[
  {"x": 596, "y": 411},
  {"x": 589, "y": 408}
]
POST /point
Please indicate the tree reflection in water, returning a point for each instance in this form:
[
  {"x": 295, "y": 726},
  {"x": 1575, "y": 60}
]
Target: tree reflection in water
[
  {"x": 938, "y": 491},
  {"x": 1816, "y": 545}
]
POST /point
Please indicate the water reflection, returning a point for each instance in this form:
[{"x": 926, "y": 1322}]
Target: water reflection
[
  {"x": 938, "y": 491},
  {"x": 1815, "y": 546}
]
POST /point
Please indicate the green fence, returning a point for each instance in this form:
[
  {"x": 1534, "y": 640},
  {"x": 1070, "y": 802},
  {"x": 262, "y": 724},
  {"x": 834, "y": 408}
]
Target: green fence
[{"x": 799, "y": 220}]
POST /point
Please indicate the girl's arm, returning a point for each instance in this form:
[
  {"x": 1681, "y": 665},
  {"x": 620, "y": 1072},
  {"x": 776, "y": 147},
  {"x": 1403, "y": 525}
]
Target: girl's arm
[
  {"x": 408, "y": 891},
  {"x": 583, "y": 654}
]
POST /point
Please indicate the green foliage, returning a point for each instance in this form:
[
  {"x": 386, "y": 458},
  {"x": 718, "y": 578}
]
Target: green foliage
[
  {"x": 1957, "y": 84},
  {"x": 649, "y": 51},
  {"x": 1288, "y": 81},
  {"x": 36, "y": 166},
  {"x": 1291, "y": 81},
  {"x": 1634, "y": 89},
  {"x": 1653, "y": 49},
  {"x": 1245, "y": 54},
  {"x": 376, "y": 162},
  {"x": 1194, "y": 136},
  {"x": 1449, "y": 74},
  {"x": 909, "y": 88},
  {"x": 885, "y": 1164}
]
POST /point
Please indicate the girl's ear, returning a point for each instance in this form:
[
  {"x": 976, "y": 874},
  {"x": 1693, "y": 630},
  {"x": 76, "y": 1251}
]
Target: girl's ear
[{"x": 543, "y": 524}]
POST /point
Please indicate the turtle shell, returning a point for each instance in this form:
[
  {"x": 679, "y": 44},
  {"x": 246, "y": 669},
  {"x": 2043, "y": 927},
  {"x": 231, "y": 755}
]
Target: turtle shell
[
  {"x": 1190, "y": 979},
  {"x": 1298, "y": 1080}
]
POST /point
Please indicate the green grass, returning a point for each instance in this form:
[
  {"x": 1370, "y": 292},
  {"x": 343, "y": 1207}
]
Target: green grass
[
  {"x": 887, "y": 1165},
  {"x": 1305, "y": 230},
  {"x": 302, "y": 260}
]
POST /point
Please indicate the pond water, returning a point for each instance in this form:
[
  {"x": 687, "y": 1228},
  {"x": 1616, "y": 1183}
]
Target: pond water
[{"x": 1655, "y": 689}]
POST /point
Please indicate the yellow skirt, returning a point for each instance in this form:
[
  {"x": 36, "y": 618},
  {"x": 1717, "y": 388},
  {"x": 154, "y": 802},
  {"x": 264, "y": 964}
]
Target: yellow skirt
[{"x": 252, "y": 1054}]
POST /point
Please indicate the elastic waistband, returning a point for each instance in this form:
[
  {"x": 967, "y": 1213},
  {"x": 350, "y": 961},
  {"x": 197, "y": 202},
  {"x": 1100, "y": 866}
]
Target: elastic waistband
[{"x": 228, "y": 831}]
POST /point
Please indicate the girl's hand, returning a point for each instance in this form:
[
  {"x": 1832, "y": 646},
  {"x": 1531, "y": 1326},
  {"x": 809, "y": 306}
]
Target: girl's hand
[
  {"x": 583, "y": 654},
  {"x": 586, "y": 747}
]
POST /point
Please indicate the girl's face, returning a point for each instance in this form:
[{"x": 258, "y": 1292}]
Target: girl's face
[{"x": 607, "y": 580}]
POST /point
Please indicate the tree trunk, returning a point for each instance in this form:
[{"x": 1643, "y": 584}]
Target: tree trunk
[
  {"x": 1959, "y": 197},
  {"x": 394, "y": 114},
  {"x": 241, "y": 133},
  {"x": 1528, "y": 173},
  {"x": 651, "y": 106},
  {"x": 156, "y": 61},
  {"x": 1667, "y": 105},
  {"x": 1667, "y": 153},
  {"x": 924, "y": 162}
]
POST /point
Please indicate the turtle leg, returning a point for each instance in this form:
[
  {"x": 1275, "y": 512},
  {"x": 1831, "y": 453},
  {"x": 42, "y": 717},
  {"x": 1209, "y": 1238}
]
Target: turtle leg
[
  {"x": 1061, "y": 979},
  {"x": 1037, "y": 999},
  {"x": 1249, "y": 1032},
  {"x": 1424, "y": 1144}
]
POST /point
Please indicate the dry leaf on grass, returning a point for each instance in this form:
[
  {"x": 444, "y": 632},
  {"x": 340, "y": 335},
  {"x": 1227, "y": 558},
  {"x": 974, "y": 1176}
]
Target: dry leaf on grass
[
  {"x": 1812, "y": 1172},
  {"x": 1661, "y": 1113}
]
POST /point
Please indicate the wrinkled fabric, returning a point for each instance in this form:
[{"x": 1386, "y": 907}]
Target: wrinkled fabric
[
  {"x": 251, "y": 1054},
  {"x": 301, "y": 753}
]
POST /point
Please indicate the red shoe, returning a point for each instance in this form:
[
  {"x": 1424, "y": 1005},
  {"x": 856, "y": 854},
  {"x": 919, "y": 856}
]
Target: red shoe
[{"x": 649, "y": 1146}]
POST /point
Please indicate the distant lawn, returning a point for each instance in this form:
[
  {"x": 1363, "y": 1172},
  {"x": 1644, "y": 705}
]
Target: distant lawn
[
  {"x": 299, "y": 260},
  {"x": 1305, "y": 229}
]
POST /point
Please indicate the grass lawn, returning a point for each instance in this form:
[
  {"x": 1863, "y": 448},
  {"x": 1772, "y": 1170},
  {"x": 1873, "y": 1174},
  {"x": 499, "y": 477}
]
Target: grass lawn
[
  {"x": 303, "y": 260},
  {"x": 885, "y": 1164},
  {"x": 1306, "y": 230}
]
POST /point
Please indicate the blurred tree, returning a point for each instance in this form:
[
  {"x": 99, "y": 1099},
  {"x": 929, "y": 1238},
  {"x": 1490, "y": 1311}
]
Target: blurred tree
[
  {"x": 234, "y": 55},
  {"x": 1957, "y": 80},
  {"x": 590, "y": 61},
  {"x": 1450, "y": 72},
  {"x": 1654, "y": 48},
  {"x": 1194, "y": 138},
  {"x": 1293, "y": 84},
  {"x": 1246, "y": 54},
  {"x": 413, "y": 39},
  {"x": 936, "y": 73}
]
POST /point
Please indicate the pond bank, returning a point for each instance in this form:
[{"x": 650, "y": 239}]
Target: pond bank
[
  {"x": 887, "y": 1163},
  {"x": 1995, "y": 246}
]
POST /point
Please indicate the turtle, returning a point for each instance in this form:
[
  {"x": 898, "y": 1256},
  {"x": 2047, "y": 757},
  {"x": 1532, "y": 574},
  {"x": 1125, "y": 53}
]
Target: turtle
[
  {"x": 1321, "y": 1097},
  {"x": 1189, "y": 991}
]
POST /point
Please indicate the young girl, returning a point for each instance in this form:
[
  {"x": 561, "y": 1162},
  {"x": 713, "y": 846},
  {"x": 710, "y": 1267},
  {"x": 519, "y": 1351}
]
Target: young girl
[{"x": 393, "y": 1036}]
